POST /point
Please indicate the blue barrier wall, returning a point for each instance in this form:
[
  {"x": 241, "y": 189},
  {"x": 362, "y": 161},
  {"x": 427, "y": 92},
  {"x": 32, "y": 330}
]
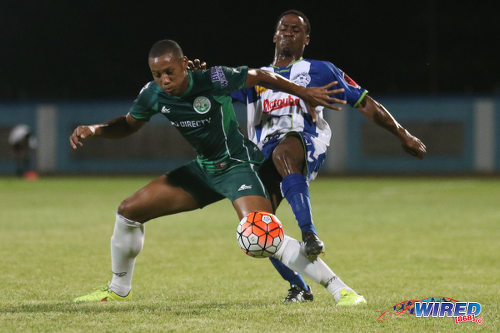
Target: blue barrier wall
[
  {"x": 462, "y": 134},
  {"x": 423, "y": 114}
]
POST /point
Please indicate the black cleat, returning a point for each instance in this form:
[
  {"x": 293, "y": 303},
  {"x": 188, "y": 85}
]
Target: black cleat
[
  {"x": 297, "y": 294},
  {"x": 313, "y": 246}
]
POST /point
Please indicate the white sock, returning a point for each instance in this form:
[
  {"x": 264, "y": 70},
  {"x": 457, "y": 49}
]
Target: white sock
[
  {"x": 290, "y": 254},
  {"x": 126, "y": 243}
]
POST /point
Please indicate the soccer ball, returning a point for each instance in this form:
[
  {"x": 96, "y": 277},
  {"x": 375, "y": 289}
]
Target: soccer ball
[{"x": 260, "y": 234}]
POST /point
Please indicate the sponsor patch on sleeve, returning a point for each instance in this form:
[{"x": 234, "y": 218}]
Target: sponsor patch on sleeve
[
  {"x": 350, "y": 81},
  {"x": 217, "y": 75}
]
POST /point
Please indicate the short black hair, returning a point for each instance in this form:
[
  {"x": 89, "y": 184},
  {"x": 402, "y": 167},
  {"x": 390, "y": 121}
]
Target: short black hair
[
  {"x": 165, "y": 46},
  {"x": 299, "y": 14}
]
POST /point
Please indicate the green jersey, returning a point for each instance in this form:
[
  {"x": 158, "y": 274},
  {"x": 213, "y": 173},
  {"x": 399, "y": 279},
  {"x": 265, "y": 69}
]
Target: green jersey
[{"x": 204, "y": 115}]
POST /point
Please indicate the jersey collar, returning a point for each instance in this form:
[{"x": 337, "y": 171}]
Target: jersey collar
[
  {"x": 190, "y": 86},
  {"x": 290, "y": 64}
]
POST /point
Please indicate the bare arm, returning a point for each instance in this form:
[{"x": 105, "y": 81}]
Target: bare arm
[
  {"x": 115, "y": 128},
  {"x": 312, "y": 96},
  {"x": 379, "y": 114}
]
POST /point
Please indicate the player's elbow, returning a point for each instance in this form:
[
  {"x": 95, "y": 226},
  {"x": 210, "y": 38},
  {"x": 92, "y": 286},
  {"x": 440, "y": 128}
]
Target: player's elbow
[{"x": 257, "y": 76}]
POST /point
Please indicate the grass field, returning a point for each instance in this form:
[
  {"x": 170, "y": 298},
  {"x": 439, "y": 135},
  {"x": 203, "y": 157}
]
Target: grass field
[{"x": 392, "y": 239}]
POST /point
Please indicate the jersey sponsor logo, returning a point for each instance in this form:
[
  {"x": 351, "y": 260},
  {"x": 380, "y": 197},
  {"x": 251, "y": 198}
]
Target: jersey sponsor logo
[
  {"x": 217, "y": 75},
  {"x": 350, "y": 81},
  {"x": 279, "y": 103},
  {"x": 192, "y": 123},
  {"x": 245, "y": 187},
  {"x": 302, "y": 79},
  {"x": 201, "y": 104},
  {"x": 260, "y": 90},
  {"x": 164, "y": 109}
]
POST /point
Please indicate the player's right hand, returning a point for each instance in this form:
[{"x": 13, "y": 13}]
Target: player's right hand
[
  {"x": 81, "y": 133},
  {"x": 197, "y": 65},
  {"x": 323, "y": 96}
]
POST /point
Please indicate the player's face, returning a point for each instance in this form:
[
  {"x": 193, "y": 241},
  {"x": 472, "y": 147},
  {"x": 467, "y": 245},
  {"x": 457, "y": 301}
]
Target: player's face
[
  {"x": 170, "y": 73},
  {"x": 290, "y": 36}
]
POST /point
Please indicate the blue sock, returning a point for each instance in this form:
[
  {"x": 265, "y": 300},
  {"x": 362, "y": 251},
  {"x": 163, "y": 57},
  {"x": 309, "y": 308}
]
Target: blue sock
[
  {"x": 296, "y": 192},
  {"x": 289, "y": 275}
]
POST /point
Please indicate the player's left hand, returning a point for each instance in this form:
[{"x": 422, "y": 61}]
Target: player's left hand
[
  {"x": 322, "y": 96},
  {"x": 196, "y": 65},
  {"x": 413, "y": 146}
]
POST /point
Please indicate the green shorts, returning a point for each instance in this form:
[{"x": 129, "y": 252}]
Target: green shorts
[{"x": 208, "y": 187}]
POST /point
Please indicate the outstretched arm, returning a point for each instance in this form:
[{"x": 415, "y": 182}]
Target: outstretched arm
[
  {"x": 379, "y": 114},
  {"x": 116, "y": 128},
  {"x": 312, "y": 96}
]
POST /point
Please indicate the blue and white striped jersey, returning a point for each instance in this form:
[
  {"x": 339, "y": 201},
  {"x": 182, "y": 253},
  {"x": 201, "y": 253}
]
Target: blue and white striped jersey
[{"x": 271, "y": 113}]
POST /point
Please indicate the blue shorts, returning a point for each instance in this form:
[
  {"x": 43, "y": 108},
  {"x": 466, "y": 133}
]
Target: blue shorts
[{"x": 315, "y": 151}]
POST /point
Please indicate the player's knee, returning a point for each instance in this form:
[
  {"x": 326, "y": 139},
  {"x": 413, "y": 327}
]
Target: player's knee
[
  {"x": 287, "y": 160},
  {"x": 128, "y": 209}
]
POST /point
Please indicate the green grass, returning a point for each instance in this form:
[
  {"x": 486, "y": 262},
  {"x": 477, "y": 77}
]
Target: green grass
[{"x": 390, "y": 239}]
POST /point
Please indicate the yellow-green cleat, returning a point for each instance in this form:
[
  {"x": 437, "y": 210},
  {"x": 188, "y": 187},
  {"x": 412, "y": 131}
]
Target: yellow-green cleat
[
  {"x": 102, "y": 295},
  {"x": 350, "y": 299}
]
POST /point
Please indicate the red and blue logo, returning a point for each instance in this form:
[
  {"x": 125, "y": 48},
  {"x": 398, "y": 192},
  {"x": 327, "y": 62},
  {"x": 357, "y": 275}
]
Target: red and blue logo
[
  {"x": 436, "y": 307},
  {"x": 350, "y": 81}
]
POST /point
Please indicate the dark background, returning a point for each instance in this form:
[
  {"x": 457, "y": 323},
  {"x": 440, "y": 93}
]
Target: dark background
[{"x": 93, "y": 50}]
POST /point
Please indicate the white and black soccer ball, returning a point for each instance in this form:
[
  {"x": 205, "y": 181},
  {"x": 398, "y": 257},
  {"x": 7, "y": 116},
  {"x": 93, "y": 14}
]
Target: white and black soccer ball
[{"x": 260, "y": 234}]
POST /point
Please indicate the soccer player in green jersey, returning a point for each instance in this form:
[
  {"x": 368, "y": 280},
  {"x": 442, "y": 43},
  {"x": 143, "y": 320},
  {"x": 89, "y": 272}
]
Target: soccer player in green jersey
[{"x": 199, "y": 105}]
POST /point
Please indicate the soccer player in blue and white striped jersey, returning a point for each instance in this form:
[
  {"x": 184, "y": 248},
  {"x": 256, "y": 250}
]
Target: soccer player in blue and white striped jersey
[{"x": 294, "y": 141}]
